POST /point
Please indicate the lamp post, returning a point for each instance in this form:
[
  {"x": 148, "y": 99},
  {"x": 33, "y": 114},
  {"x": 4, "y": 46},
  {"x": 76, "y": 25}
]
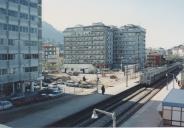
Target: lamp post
[
  {"x": 97, "y": 79},
  {"x": 112, "y": 115},
  {"x": 125, "y": 71}
]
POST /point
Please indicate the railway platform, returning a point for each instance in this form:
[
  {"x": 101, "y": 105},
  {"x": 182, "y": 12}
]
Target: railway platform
[
  {"x": 47, "y": 116},
  {"x": 148, "y": 115}
]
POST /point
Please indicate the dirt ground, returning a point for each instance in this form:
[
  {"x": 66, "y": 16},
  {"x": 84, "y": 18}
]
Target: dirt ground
[{"x": 104, "y": 79}]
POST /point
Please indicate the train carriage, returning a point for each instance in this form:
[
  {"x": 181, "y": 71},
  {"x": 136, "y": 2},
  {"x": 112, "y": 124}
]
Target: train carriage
[{"x": 152, "y": 75}]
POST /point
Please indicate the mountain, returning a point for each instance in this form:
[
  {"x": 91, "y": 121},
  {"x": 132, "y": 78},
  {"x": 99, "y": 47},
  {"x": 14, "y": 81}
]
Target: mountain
[{"x": 51, "y": 34}]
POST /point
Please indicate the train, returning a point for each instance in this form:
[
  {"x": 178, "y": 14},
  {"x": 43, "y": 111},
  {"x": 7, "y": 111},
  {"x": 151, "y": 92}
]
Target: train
[{"x": 151, "y": 75}]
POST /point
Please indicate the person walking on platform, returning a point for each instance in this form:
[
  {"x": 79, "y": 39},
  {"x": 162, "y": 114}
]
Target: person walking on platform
[{"x": 103, "y": 89}]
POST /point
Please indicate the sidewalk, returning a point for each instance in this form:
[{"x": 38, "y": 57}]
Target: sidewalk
[
  {"x": 148, "y": 115},
  {"x": 121, "y": 86},
  {"x": 45, "y": 117}
]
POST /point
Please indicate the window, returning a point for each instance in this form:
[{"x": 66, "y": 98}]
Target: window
[
  {"x": 31, "y": 56},
  {"x": 3, "y": 72},
  {"x": 33, "y": 30},
  {"x": 1, "y": 41},
  {"x": 2, "y": 11},
  {"x": 34, "y": 5},
  {"x": 14, "y": 1},
  {"x": 24, "y": 16},
  {"x": 5, "y": 26},
  {"x": 10, "y": 42},
  {"x": 12, "y": 13},
  {"x": 11, "y": 27},
  {"x": 24, "y": 2},
  {"x": 7, "y": 56},
  {"x": 12, "y": 71},
  {"x": 30, "y": 69}
]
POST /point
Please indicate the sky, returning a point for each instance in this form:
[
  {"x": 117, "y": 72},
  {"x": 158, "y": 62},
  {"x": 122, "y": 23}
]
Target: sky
[{"x": 162, "y": 19}]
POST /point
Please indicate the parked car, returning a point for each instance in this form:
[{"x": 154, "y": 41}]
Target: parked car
[
  {"x": 17, "y": 97},
  {"x": 86, "y": 85},
  {"x": 48, "y": 80},
  {"x": 70, "y": 73},
  {"x": 51, "y": 91},
  {"x": 55, "y": 93},
  {"x": 5, "y": 105},
  {"x": 52, "y": 85},
  {"x": 72, "y": 84},
  {"x": 45, "y": 92}
]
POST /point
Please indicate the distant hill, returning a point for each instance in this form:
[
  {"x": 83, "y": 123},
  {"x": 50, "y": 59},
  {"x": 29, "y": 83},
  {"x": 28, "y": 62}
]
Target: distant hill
[{"x": 51, "y": 34}]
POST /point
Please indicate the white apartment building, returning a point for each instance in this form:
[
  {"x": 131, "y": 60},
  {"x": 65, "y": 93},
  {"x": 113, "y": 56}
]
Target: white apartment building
[
  {"x": 129, "y": 46},
  {"x": 178, "y": 51},
  {"x": 88, "y": 47},
  {"x": 20, "y": 43}
]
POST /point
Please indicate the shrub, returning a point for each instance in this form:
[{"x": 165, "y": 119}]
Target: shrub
[{"x": 113, "y": 77}]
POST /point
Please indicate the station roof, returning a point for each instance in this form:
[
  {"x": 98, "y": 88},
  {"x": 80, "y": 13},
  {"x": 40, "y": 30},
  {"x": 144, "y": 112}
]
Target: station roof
[{"x": 174, "y": 99}]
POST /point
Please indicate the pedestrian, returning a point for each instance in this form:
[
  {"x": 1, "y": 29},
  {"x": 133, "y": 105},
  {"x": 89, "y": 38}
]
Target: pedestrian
[
  {"x": 103, "y": 89},
  {"x": 84, "y": 78}
]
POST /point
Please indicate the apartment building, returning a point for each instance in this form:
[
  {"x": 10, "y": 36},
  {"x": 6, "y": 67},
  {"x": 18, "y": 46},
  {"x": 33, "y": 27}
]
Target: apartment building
[
  {"x": 20, "y": 43},
  {"x": 51, "y": 59},
  {"x": 129, "y": 46},
  {"x": 155, "y": 57},
  {"x": 178, "y": 51},
  {"x": 88, "y": 47}
]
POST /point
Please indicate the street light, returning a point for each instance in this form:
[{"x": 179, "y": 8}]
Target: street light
[
  {"x": 112, "y": 115},
  {"x": 125, "y": 71},
  {"x": 97, "y": 79}
]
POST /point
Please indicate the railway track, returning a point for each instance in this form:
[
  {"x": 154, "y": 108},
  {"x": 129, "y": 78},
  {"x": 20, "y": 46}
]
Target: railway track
[{"x": 124, "y": 105}]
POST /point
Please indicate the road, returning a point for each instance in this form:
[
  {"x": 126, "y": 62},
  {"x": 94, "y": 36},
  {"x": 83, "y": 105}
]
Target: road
[{"x": 19, "y": 112}]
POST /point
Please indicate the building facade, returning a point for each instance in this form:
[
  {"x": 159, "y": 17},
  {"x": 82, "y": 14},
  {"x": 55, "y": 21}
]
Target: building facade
[
  {"x": 51, "y": 59},
  {"x": 20, "y": 43},
  {"x": 129, "y": 46},
  {"x": 153, "y": 60},
  {"x": 87, "y": 47},
  {"x": 155, "y": 57},
  {"x": 178, "y": 51}
]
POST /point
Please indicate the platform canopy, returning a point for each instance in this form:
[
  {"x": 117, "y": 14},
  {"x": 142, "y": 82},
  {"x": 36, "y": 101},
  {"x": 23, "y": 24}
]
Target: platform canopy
[{"x": 174, "y": 99}]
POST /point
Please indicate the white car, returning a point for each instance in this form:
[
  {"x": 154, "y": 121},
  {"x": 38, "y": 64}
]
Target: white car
[
  {"x": 55, "y": 94},
  {"x": 5, "y": 105}
]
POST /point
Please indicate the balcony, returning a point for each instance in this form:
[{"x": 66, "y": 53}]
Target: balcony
[
  {"x": 34, "y": 37},
  {"x": 3, "y": 79},
  {"x": 13, "y": 35},
  {"x": 24, "y": 36},
  {"x": 3, "y": 18},
  {"x": 13, "y": 6},
  {"x": 24, "y": 22},
  {"x": 13, "y": 20},
  {"x": 34, "y": 11},
  {"x": 2, "y": 4},
  {"x": 2, "y": 34},
  {"x": 24, "y": 9}
]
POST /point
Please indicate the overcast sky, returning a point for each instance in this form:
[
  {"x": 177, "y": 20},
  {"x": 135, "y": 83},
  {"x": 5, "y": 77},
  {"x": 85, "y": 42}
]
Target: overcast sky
[{"x": 163, "y": 19}]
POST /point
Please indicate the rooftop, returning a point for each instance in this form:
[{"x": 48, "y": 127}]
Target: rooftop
[{"x": 174, "y": 98}]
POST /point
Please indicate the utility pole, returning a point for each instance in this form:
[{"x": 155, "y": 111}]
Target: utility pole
[
  {"x": 173, "y": 80},
  {"x": 127, "y": 76},
  {"x": 97, "y": 79}
]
